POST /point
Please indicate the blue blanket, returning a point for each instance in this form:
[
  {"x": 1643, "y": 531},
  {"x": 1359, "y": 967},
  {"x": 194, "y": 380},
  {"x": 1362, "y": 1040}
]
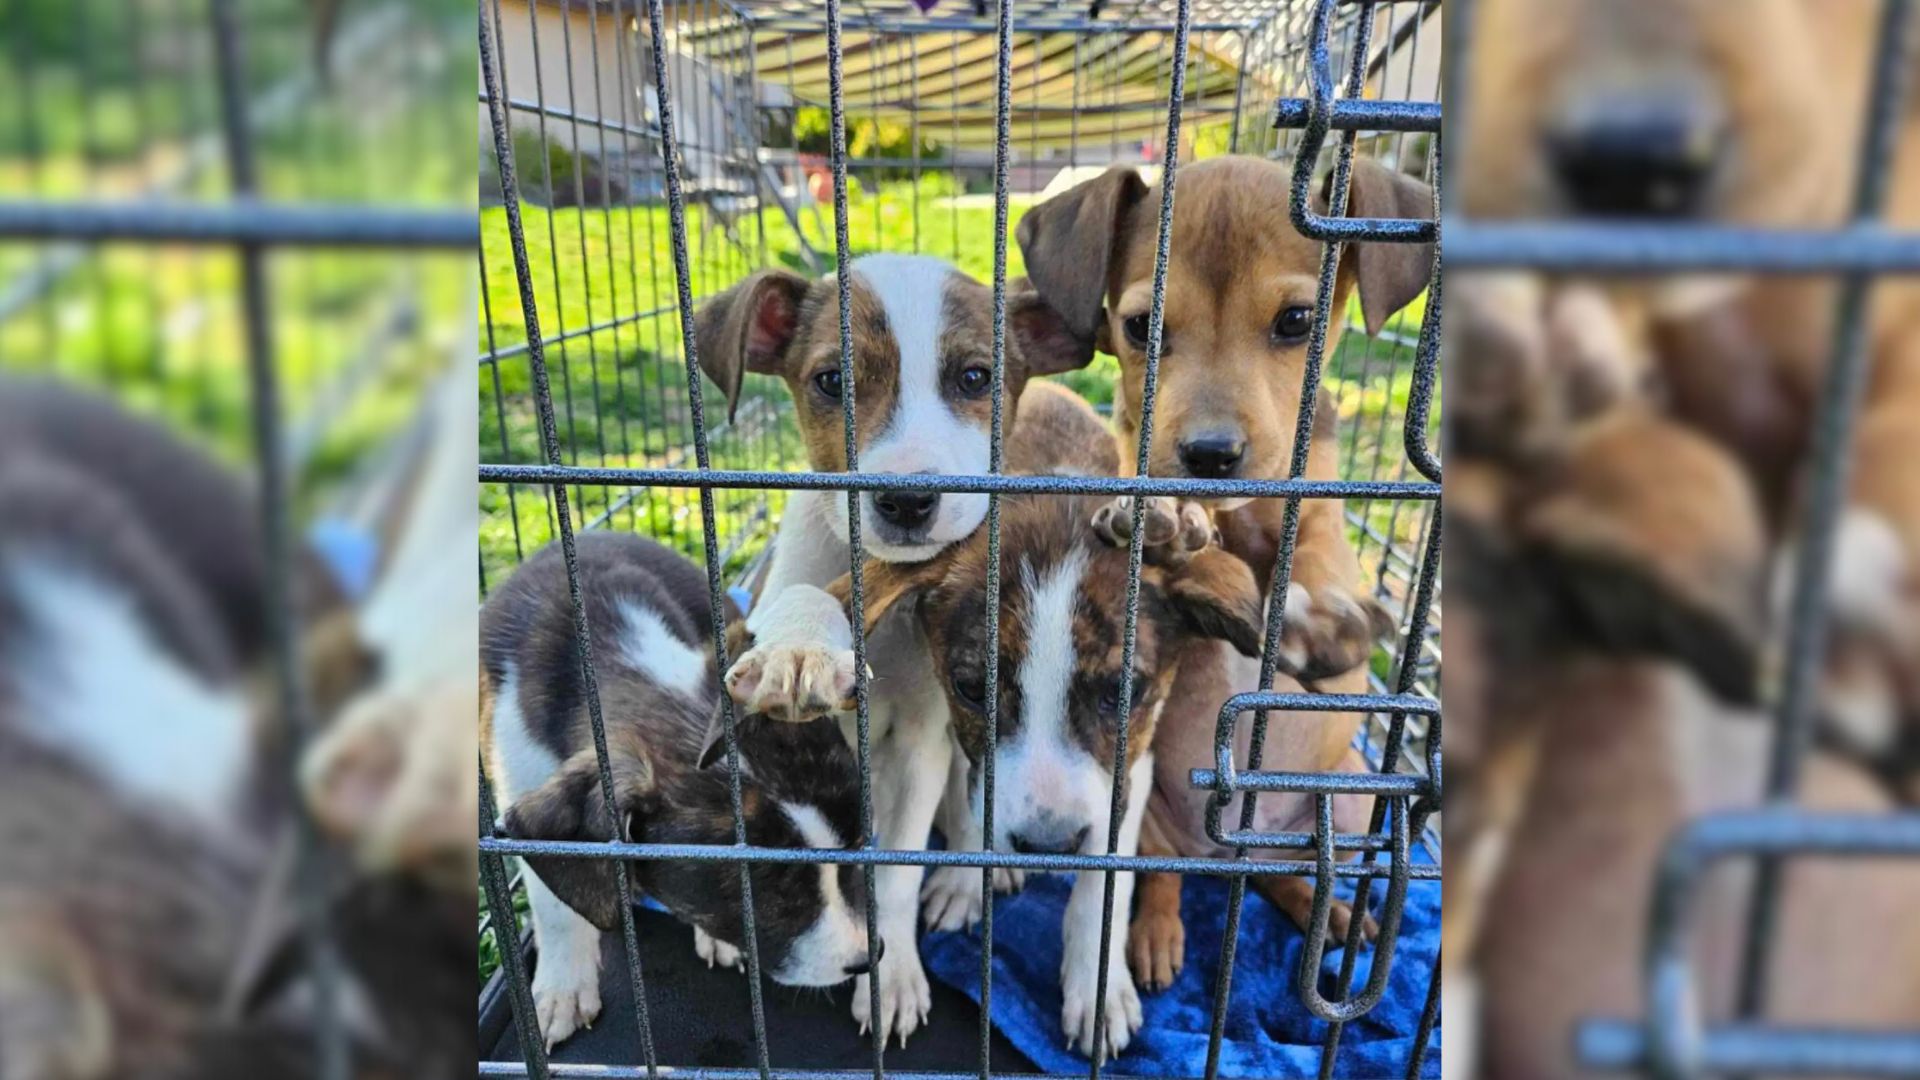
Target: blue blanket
[{"x": 1268, "y": 1031}]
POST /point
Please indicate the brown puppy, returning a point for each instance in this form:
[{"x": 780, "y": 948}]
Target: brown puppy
[
  {"x": 1240, "y": 293},
  {"x": 1703, "y": 111}
]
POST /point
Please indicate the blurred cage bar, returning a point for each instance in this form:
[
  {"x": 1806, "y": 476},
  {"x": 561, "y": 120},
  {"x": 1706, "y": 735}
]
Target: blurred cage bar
[
  {"x": 239, "y": 219},
  {"x": 1672, "y": 1040},
  {"x": 638, "y": 155}
]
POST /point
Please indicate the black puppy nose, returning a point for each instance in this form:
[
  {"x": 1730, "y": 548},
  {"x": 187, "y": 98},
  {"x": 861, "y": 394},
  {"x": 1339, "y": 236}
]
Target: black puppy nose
[
  {"x": 1212, "y": 457},
  {"x": 1050, "y": 843},
  {"x": 906, "y": 509},
  {"x": 1648, "y": 153},
  {"x": 866, "y": 963}
]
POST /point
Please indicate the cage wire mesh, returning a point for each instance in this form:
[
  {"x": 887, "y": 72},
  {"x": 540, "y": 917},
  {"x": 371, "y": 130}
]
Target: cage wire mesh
[
  {"x": 639, "y": 156},
  {"x": 202, "y": 215}
]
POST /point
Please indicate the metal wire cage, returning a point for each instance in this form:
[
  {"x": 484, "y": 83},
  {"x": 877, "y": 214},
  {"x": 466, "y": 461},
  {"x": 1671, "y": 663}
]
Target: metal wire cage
[{"x": 646, "y": 154}]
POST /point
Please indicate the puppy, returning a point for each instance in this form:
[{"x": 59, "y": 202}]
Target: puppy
[
  {"x": 922, "y": 361},
  {"x": 1699, "y": 112},
  {"x": 658, "y": 689},
  {"x": 1240, "y": 294},
  {"x": 1062, "y": 618}
]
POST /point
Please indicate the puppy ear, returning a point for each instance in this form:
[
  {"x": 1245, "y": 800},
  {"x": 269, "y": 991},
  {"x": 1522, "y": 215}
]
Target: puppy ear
[
  {"x": 569, "y": 807},
  {"x": 1048, "y": 346},
  {"x": 748, "y": 328},
  {"x": 1214, "y": 595},
  {"x": 1389, "y": 275},
  {"x": 1068, "y": 244},
  {"x": 887, "y": 585}
]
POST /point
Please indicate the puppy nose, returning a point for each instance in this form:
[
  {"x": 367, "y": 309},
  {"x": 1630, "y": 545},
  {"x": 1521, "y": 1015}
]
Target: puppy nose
[
  {"x": 1212, "y": 457},
  {"x": 866, "y": 963},
  {"x": 1648, "y": 153},
  {"x": 1050, "y": 843},
  {"x": 906, "y": 509}
]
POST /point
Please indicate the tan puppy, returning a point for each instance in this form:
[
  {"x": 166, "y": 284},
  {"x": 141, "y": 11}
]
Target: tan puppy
[
  {"x": 1745, "y": 113},
  {"x": 1240, "y": 293}
]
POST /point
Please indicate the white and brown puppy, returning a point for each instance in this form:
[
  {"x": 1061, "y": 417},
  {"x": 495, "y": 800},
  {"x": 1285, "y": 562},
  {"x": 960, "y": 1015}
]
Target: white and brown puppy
[
  {"x": 658, "y": 690},
  {"x": 1062, "y": 617},
  {"x": 922, "y": 363}
]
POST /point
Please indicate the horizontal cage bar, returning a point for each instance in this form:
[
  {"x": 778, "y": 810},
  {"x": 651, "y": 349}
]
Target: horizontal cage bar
[
  {"x": 988, "y": 484},
  {"x": 240, "y": 221},
  {"x": 980, "y": 860}
]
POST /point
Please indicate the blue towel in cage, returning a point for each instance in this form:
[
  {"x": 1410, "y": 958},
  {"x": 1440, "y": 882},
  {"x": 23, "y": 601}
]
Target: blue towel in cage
[{"x": 1268, "y": 1031}]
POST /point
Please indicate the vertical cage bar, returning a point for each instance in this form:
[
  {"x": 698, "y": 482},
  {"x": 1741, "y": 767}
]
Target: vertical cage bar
[
  {"x": 550, "y": 439},
  {"x": 843, "y": 276},
  {"x": 332, "y": 1053},
  {"x": 1002, "y": 157},
  {"x": 1841, "y": 398},
  {"x": 1156, "y": 319},
  {"x": 677, "y": 233}
]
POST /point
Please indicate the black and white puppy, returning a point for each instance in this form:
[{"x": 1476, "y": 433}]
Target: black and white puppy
[
  {"x": 922, "y": 336},
  {"x": 646, "y": 610}
]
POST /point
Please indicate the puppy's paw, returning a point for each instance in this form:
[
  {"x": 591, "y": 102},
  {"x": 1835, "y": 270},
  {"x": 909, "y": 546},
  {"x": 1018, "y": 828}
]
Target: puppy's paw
[
  {"x": 1079, "y": 989},
  {"x": 1008, "y": 880},
  {"x": 1329, "y": 631},
  {"x": 1340, "y": 922},
  {"x": 951, "y": 898},
  {"x": 1172, "y": 529},
  {"x": 793, "y": 681},
  {"x": 1157, "y": 949},
  {"x": 905, "y": 996},
  {"x": 566, "y": 998},
  {"x": 715, "y": 952}
]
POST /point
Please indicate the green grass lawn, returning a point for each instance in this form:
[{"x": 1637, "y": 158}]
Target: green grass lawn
[{"x": 621, "y": 396}]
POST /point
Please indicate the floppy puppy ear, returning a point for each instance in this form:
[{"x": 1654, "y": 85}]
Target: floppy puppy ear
[
  {"x": 1389, "y": 275},
  {"x": 569, "y": 807},
  {"x": 1068, "y": 244},
  {"x": 886, "y": 585},
  {"x": 1048, "y": 346},
  {"x": 748, "y": 328},
  {"x": 1214, "y": 595}
]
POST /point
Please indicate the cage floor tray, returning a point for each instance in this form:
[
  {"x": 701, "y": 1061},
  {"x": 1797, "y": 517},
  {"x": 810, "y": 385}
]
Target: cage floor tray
[{"x": 703, "y": 1017}]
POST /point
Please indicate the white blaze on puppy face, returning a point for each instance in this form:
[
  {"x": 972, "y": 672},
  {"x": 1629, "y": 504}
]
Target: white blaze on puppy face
[
  {"x": 924, "y": 432},
  {"x": 837, "y": 940},
  {"x": 1048, "y": 787}
]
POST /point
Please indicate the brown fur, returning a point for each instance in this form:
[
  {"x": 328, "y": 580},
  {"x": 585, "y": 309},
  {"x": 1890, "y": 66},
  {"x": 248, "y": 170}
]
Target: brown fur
[
  {"x": 1747, "y": 365},
  {"x": 1236, "y": 262},
  {"x": 778, "y": 323}
]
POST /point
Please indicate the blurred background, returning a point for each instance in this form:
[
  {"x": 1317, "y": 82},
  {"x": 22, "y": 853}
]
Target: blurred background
[
  {"x": 236, "y": 291},
  {"x": 1682, "y": 539}
]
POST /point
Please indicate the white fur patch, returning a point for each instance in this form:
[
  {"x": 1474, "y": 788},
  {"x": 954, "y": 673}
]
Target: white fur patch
[
  {"x": 923, "y": 434},
  {"x": 648, "y": 646},
  {"x": 521, "y": 762},
  {"x": 1869, "y": 570},
  {"x": 1041, "y": 773},
  {"x": 812, "y": 825},
  {"x": 838, "y": 938},
  {"x": 98, "y": 686}
]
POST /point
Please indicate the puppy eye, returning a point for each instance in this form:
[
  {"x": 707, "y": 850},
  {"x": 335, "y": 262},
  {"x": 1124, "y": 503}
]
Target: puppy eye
[
  {"x": 971, "y": 689},
  {"x": 1110, "y": 697},
  {"x": 828, "y": 383},
  {"x": 976, "y": 381},
  {"x": 1135, "y": 327},
  {"x": 1292, "y": 325}
]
